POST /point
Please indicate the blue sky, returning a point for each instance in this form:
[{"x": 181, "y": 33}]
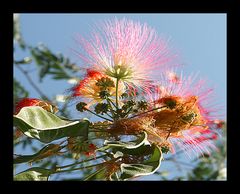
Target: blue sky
[{"x": 199, "y": 38}]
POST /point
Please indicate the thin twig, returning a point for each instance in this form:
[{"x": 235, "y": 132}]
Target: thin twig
[
  {"x": 117, "y": 93},
  {"x": 32, "y": 83},
  {"x": 98, "y": 115},
  {"x": 111, "y": 108},
  {"x": 80, "y": 168},
  {"x": 111, "y": 102},
  {"x": 83, "y": 161}
]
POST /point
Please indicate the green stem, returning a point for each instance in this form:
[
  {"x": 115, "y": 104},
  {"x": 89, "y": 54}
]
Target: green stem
[
  {"x": 112, "y": 102},
  {"x": 96, "y": 125},
  {"x": 76, "y": 163},
  {"x": 111, "y": 108},
  {"x": 128, "y": 111},
  {"x": 109, "y": 115},
  {"x": 94, "y": 173},
  {"x": 107, "y": 153},
  {"x": 146, "y": 112},
  {"x": 117, "y": 93},
  {"x": 98, "y": 115},
  {"x": 80, "y": 168}
]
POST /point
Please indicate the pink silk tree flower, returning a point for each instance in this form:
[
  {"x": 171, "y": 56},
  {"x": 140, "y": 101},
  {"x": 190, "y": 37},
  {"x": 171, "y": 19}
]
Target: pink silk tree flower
[
  {"x": 187, "y": 113},
  {"x": 173, "y": 77},
  {"x": 126, "y": 50}
]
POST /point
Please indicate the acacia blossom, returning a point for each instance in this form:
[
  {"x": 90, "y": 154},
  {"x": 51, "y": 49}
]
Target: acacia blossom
[
  {"x": 126, "y": 50},
  {"x": 186, "y": 116},
  {"x": 182, "y": 115}
]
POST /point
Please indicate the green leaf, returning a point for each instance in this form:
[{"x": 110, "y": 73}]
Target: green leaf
[
  {"x": 146, "y": 167},
  {"x": 147, "y": 157},
  {"x": 33, "y": 174},
  {"x": 136, "y": 147},
  {"x": 46, "y": 151},
  {"x": 26, "y": 60},
  {"x": 61, "y": 76},
  {"x": 141, "y": 140},
  {"x": 35, "y": 122},
  {"x": 50, "y": 63},
  {"x": 100, "y": 174}
]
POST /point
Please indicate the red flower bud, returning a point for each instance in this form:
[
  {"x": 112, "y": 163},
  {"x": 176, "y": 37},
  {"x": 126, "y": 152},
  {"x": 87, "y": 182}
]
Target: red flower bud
[
  {"x": 35, "y": 102},
  {"x": 91, "y": 150},
  {"x": 26, "y": 102}
]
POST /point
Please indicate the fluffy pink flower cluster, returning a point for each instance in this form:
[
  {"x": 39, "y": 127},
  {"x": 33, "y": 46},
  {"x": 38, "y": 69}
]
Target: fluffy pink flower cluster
[{"x": 135, "y": 57}]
